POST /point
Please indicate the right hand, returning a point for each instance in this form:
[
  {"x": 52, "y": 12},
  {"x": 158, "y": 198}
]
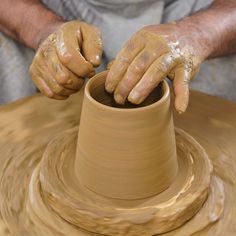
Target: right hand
[
  {"x": 65, "y": 58},
  {"x": 152, "y": 54}
]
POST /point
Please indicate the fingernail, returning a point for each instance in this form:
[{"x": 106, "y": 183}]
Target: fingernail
[
  {"x": 135, "y": 97},
  {"x": 180, "y": 108},
  {"x": 119, "y": 99},
  {"x": 96, "y": 60},
  {"x": 180, "y": 112},
  {"x": 109, "y": 87}
]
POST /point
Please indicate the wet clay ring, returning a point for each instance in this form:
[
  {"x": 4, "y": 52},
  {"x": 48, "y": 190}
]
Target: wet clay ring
[{"x": 92, "y": 212}]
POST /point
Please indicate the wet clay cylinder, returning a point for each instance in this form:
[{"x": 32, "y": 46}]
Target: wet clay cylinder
[{"x": 126, "y": 152}]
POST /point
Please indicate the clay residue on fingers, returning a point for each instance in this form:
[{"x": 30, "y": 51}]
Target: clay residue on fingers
[{"x": 146, "y": 59}]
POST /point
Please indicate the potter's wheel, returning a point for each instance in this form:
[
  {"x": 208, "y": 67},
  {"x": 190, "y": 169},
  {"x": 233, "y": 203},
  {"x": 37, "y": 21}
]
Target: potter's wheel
[
  {"x": 89, "y": 210},
  {"x": 22, "y": 153}
]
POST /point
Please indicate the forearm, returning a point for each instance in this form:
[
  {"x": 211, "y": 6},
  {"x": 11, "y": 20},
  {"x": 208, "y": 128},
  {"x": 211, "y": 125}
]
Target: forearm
[
  {"x": 214, "y": 28},
  {"x": 26, "y": 20}
]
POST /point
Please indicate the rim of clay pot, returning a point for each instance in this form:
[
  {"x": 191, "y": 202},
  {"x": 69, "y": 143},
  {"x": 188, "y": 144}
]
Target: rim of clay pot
[{"x": 164, "y": 96}]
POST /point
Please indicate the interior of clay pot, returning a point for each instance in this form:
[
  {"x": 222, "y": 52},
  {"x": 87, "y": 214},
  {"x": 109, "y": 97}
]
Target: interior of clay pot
[{"x": 97, "y": 92}]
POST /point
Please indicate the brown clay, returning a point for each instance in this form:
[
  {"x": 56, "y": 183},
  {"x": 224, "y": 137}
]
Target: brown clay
[
  {"x": 145, "y": 216},
  {"x": 38, "y": 201},
  {"x": 125, "y": 153}
]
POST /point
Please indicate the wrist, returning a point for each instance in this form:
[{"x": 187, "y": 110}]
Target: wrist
[
  {"x": 43, "y": 32},
  {"x": 37, "y": 24},
  {"x": 195, "y": 34},
  {"x": 214, "y": 29}
]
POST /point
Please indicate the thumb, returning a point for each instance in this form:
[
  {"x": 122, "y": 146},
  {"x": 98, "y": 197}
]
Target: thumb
[{"x": 91, "y": 44}]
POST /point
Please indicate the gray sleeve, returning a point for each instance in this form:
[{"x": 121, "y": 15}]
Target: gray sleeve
[{"x": 178, "y": 9}]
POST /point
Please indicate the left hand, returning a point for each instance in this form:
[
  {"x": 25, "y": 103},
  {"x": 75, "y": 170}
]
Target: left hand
[
  {"x": 65, "y": 57},
  {"x": 153, "y": 53}
]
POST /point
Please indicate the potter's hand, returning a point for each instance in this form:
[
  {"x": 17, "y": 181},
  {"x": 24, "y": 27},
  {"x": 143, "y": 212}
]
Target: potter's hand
[
  {"x": 65, "y": 58},
  {"x": 148, "y": 57}
]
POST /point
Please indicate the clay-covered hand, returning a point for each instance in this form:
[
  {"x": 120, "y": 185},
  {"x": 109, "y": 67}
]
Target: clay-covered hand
[
  {"x": 153, "y": 53},
  {"x": 65, "y": 58}
]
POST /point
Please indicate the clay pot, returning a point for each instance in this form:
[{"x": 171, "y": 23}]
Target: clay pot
[{"x": 125, "y": 152}]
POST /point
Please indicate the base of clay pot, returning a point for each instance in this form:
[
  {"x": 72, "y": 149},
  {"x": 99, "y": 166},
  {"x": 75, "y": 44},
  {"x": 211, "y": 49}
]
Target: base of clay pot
[{"x": 85, "y": 209}]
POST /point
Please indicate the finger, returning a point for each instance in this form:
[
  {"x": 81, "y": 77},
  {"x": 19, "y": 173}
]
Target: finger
[
  {"x": 181, "y": 88},
  {"x": 62, "y": 75},
  {"x": 42, "y": 86},
  {"x": 67, "y": 79},
  {"x": 38, "y": 81},
  {"x": 56, "y": 88},
  {"x": 59, "y": 97},
  {"x": 91, "y": 44},
  {"x": 134, "y": 73},
  {"x": 154, "y": 75},
  {"x": 121, "y": 63},
  {"x": 44, "y": 65},
  {"x": 68, "y": 50}
]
